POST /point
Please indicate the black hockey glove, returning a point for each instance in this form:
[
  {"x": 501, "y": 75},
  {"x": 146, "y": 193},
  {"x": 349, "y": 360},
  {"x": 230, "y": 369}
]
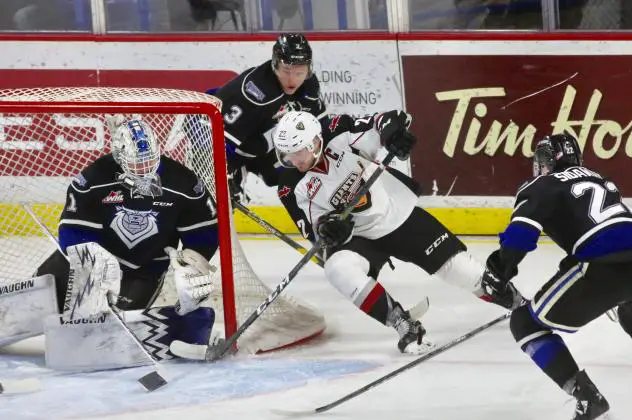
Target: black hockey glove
[
  {"x": 334, "y": 231},
  {"x": 394, "y": 134},
  {"x": 497, "y": 287},
  {"x": 391, "y": 120},
  {"x": 236, "y": 181}
]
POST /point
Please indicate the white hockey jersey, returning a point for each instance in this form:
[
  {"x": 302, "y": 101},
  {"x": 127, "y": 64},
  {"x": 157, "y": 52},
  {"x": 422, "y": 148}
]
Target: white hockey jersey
[{"x": 350, "y": 147}]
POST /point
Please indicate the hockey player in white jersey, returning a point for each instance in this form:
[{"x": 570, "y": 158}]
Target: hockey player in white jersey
[{"x": 331, "y": 159}]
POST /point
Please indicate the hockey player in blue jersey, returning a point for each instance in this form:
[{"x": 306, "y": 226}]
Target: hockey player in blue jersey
[
  {"x": 124, "y": 217},
  {"x": 582, "y": 212}
]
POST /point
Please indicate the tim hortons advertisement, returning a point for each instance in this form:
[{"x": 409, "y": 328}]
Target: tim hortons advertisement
[{"x": 478, "y": 117}]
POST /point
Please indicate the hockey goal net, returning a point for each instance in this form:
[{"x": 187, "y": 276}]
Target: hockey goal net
[{"x": 48, "y": 135}]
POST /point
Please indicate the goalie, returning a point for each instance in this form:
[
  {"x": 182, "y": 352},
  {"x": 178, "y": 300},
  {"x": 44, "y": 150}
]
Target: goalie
[{"x": 124, "y": 216}]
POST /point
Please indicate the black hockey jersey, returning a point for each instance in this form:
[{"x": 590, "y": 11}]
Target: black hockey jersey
[
  {"x": 136, "y": 228},
  {"x": 350, "y": 145},
  {"x": 252, "y": 104},
  {"x": 577, "y": 208}
]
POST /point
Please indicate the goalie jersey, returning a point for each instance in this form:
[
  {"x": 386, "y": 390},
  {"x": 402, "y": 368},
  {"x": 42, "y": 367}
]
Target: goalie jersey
[
  {"x": 136, "y": 228},
  {"x": 594, "y": 223},
  {"x": 350, "y": 146}
]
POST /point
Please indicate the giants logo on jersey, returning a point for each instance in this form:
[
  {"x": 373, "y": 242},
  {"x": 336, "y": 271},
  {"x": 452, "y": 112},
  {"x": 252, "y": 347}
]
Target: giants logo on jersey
[{"x": 345, "y": 192}]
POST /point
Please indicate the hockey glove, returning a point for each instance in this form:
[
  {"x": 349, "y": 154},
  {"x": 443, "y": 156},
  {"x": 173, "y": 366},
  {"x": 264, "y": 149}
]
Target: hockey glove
[
  {"x": 334, "y": 231},
  {"x": 497, "y": 288},
  {"x": 194, "y": 277}
]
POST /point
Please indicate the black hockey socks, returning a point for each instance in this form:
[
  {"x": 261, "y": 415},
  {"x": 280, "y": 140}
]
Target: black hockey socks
[{"x": 546, "y": 349}]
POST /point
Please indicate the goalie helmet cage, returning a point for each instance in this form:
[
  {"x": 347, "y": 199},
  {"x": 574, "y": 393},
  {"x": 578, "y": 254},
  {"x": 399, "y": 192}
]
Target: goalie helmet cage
[{"x": 49, "y": 135}]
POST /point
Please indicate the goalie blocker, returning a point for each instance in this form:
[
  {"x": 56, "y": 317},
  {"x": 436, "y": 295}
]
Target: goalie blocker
[{"x": 77, "y": 319}]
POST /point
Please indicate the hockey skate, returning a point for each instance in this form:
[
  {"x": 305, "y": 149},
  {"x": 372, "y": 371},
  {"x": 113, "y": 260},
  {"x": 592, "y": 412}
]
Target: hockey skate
[
  {"x": 590, "y": 403},
  {"x": 411, "y": 333}
]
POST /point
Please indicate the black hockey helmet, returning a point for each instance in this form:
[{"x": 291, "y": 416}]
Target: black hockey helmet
[
  {"x": 291, "y": 49},
  {"x": 555, "y": 153}
]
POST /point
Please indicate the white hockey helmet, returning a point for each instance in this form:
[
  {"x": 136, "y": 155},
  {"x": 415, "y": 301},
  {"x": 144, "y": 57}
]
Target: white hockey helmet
[
  {"x": 136, "y": 149},
  {"x": 298, "y": 140}
]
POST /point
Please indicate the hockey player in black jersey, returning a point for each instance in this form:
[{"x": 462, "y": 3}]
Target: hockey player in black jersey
[
  {"x": 123, "y": 219},
  {"x": 582, "y": 212},
  {"x": 327, "y": 162},
  {"x": 254, "y": 101}
]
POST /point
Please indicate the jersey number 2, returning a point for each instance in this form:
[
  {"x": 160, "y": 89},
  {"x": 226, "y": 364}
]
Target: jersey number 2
[{"x": 598, "y": 197}]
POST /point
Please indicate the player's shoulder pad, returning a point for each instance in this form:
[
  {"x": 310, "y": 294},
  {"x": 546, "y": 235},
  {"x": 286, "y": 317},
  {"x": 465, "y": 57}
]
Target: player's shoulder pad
[
  {"x": 259, "y": 86},
  {"x": 101, "y": 171},
  {"x": 179, "y": 179},
  {"x": 288, "y": 179},
  {"x": 334, "y": 125},
  {"x": 540, "y": 185}
]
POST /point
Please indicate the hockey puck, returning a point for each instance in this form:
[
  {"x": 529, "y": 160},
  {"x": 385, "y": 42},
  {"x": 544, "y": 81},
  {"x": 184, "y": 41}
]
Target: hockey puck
[{"x": 152, "y": 381}]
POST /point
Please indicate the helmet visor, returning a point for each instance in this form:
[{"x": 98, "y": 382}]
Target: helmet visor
[{"x": 543, "y": 160}]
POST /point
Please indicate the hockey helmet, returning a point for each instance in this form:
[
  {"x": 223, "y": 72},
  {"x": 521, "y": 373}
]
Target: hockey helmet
[
  {"x": 298, "y": 138},
  {"x": 291, "y": 49},
  {"x": 555, "y": 153}
]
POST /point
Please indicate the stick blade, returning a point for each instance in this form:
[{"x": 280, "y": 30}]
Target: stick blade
[
  {"x": 22, "y": 386},
  {"x": 153, "y": 381}
]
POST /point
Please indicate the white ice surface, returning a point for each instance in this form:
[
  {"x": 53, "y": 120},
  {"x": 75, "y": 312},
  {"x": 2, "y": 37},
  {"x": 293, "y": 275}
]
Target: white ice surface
[{"x": 486, "y": 378}]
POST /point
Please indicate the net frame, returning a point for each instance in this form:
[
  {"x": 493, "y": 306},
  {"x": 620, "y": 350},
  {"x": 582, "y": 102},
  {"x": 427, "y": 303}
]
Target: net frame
[{"x": 219, "y": 156}]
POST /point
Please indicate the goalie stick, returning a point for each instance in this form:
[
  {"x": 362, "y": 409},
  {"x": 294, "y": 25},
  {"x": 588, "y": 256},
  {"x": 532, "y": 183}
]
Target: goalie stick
[
  {"x": 276, "y": 232},
  {"x": 151, "y": 381},
  {"x": 392, "y": 374},
  {"x": 215, "y": 352}
]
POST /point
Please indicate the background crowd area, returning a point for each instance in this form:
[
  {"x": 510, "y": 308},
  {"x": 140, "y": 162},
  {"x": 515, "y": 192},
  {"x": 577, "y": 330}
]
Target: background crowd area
[{"x": 167, "y": 16}]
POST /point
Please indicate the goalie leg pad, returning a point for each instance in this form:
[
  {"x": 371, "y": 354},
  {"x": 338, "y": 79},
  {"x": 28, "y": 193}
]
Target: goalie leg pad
[
  {"x": 86, "y": 345},
  {"x": 23, "y": 307},
  {"x": 162, "y": 325}
]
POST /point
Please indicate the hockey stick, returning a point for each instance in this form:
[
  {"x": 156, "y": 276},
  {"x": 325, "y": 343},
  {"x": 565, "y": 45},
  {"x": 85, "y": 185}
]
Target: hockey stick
[
  {"x": 198, "y": 351},
  {"x": 153, "y": 380},
  {"x": 381, "y": 380},
  {"x": 215, "y": 352},
  {"x": 276, "y": 232}
]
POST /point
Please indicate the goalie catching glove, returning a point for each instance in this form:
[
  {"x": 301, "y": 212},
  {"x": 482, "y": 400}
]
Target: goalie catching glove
[
  {"x": 195, "y": 279},
  {"x": 94, "y": 282}
]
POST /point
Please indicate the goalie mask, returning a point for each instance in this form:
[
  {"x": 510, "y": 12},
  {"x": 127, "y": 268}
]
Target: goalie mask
[
  {"x": 556, "y": 153},
  {"x": 136, "y": 149},
  {"x": 298, "y": 140}
]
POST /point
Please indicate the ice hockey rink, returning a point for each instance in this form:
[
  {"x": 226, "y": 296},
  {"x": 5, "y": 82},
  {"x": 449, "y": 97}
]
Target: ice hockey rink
[{"x": 485, "y": 378}]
